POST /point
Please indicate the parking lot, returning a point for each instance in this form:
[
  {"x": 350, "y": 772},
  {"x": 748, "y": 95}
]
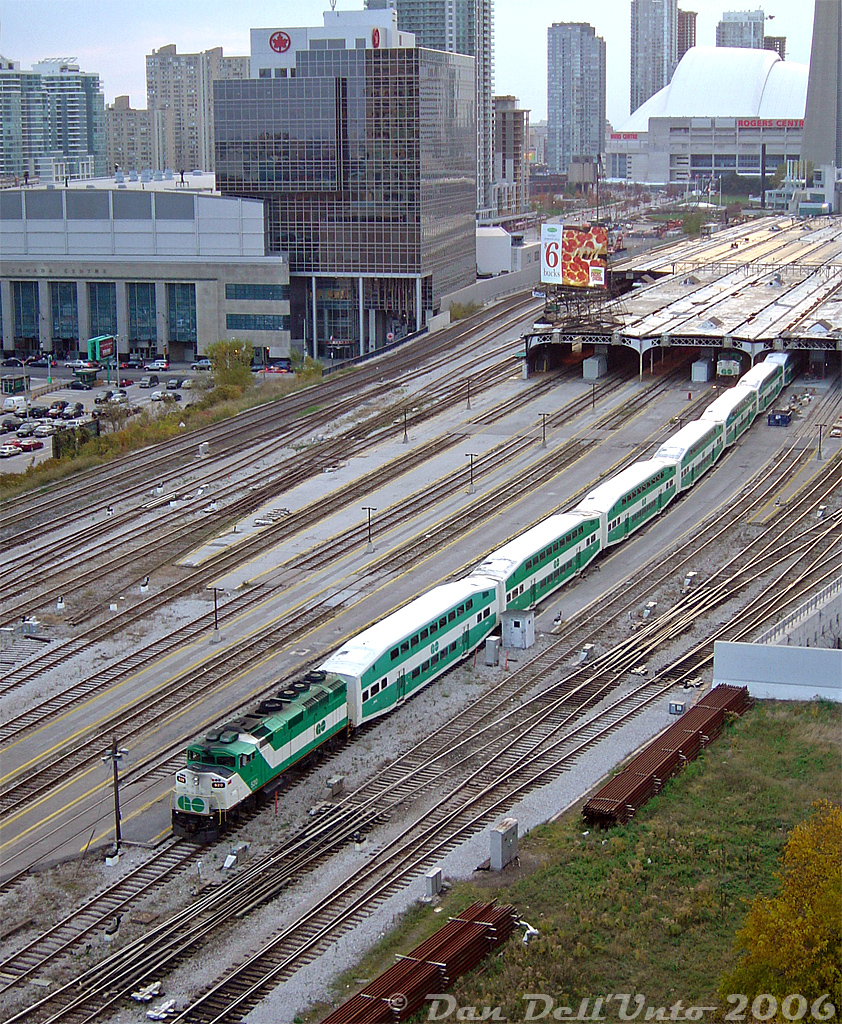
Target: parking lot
[{"x": 63, "y": 401}]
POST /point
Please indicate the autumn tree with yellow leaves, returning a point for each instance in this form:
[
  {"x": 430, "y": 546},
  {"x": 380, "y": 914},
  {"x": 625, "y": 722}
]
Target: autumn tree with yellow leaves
[{"x": 792, "y": 942}]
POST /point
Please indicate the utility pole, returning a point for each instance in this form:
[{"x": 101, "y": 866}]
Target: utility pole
[
  {"x": 369, "y": 509},
  {"x": 115, "y": 755}
]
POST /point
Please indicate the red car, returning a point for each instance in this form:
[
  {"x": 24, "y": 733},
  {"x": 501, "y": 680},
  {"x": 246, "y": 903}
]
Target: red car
[
  {"x": 29, "y": 444},
  {"x": 125, "y": 383}
]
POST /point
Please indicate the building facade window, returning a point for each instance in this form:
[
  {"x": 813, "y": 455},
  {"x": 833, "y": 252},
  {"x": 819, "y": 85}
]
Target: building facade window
[
  {"x": 181, "y": 313},
  {"x": 256, "y": 322},
  {"x": 102, "y": 300},
  {"x": 64, "y": 307},
  {"x": 26, "y": 313},
  {"x": 142, "y": 314},
  {"x": 257, "y": 292}
]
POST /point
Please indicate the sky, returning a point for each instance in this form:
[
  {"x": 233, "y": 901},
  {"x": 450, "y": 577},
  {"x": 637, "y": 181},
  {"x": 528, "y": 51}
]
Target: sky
[{"x": 113, "y": 37}]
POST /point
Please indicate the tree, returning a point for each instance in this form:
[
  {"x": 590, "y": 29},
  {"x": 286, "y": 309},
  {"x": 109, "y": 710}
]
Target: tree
[
  {"x": 231, "y": 363},
  {"x": 793, "y": 941}
]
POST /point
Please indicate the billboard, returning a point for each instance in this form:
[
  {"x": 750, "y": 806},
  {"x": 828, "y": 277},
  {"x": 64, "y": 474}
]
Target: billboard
[{"x": 574, "y": 256}]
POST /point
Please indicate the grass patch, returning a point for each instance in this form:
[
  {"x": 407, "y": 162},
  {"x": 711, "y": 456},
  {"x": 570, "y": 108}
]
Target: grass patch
[{"x": 651, "y": 907}]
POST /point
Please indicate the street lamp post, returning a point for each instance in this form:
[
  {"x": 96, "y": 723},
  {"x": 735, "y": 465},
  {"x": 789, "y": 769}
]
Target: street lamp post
[
  {"x": 471, "y": 456},
  {"x": 369, "y": 509}
]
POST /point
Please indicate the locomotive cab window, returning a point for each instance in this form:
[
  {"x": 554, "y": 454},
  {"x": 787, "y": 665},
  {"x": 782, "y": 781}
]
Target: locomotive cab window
[{"x": 226, "y": 760}]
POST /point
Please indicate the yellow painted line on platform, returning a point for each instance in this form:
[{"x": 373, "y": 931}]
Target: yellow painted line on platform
[
  {"x": 50, "y": 817},
  {"x": 134, "y": 814}
]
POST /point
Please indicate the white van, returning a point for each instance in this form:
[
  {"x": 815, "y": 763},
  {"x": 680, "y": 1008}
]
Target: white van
[{"x": 16, "y": 404}]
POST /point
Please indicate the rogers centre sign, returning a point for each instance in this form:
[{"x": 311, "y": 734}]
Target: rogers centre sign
[{"x": 759, "y": 122}]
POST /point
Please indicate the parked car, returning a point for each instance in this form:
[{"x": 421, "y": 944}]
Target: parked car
[
  {"x": 78, "y": 385},
  {"x": 8, "y": 450},
  {"x": 201, "y": 364},
  {"x": 73, "y": 411},
  {"x": 58, "y": 406},
  {"x": 174, "y": 384},
  {"x": 26, "y": 430},
  {"x": 157, "y": 364},
  {"x": 38, "y": 412},
  {"x": 12, "y": 361},
  {"x": 186, "y": 384},
  {"x": 125, "y": 383},
  {"x": 9, "y": 424},
  {"x": 45, "y": 430},
  {"x": 157, "y": 396},
  {"x": 103, "y": 397},
  {"x": 30, "y": 444},
  {"x": 279, "y": 366},
  {"x": 148, "y": 382},
  {"x": 16, "y": 404}
]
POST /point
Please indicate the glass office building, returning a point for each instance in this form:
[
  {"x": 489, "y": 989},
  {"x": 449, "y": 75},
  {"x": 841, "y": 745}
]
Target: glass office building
[{"x": 366, "y": 162}]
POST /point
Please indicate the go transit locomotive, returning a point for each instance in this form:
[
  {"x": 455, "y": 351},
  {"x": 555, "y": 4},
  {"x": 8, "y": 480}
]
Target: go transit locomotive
[{"x": 377, "y": 670}]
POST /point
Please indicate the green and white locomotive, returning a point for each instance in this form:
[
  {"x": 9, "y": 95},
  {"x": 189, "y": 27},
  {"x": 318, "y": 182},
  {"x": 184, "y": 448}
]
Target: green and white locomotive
[{"x": 227, "y": 771}]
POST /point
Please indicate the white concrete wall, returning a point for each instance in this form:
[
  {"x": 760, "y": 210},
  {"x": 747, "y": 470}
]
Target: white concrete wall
[{"x": 779, "y": 673}]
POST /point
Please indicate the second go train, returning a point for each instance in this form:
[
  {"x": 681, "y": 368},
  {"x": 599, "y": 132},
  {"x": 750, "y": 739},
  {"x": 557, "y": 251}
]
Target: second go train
[{"x": 378, "y": 669}]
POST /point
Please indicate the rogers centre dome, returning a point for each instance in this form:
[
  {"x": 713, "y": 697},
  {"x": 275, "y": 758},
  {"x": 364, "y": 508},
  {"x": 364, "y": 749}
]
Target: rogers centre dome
[{"x": 720, "y": 106}]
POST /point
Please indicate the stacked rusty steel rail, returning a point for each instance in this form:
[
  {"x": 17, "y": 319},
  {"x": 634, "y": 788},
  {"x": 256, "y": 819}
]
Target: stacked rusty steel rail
[
  {"x": 665, "y": 756},
  {"x": 431, "y": 967}
]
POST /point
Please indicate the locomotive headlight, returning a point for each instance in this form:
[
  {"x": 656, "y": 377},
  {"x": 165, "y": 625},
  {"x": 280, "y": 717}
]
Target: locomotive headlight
[
  {"x": 181, "y": 778},
  {"x": 195, "y": 780}
]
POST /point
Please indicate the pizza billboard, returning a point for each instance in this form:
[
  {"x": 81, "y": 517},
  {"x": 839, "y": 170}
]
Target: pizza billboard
[{"x": 584, "y": 256}]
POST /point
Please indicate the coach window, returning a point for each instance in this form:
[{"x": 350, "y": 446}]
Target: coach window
[
  {"x": 434, "y": 628},
  {"x": 416, "y": 672},
  {"x": 424, "y": 634},
  {"x": 451, "y": 616},
  {"x": 395, "y": 653},
  {"x": 414, "y": 641},
  {"x": 425, "y": 666},
  {"x": 443, "y": 621},
  {"x": 404, "y": 647}
]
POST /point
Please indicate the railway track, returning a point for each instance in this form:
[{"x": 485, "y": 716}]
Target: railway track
[
  {"x": 814, "y": 544},
  {"x": 62, "y": 503},
  {"x": 500, "y": 763}
]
